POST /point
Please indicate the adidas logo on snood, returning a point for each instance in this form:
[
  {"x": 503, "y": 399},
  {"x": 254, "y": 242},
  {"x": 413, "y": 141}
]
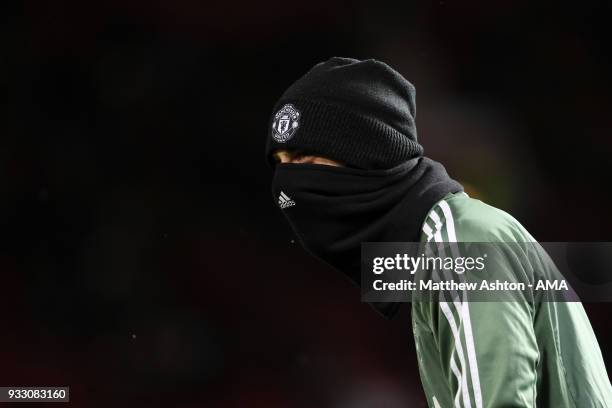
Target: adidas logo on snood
[{"x": 284, "y": 201}]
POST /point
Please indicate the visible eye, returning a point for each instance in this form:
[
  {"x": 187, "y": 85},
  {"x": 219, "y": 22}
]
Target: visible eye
[{"x": 300, "y": 158}]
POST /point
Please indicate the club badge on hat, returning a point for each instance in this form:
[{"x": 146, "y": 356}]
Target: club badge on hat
[{"x": 285, "y": 124}]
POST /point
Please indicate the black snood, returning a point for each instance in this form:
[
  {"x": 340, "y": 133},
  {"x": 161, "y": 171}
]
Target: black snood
[{"x": 332, "y": 210}]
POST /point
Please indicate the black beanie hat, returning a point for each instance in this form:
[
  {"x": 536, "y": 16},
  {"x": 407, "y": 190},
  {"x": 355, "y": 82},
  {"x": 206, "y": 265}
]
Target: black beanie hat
[{"x": 360, "y": 113}]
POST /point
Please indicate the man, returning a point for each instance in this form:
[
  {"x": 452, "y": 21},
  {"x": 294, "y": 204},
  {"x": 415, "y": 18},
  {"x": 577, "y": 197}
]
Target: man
[{"x": 348, "y": 169}]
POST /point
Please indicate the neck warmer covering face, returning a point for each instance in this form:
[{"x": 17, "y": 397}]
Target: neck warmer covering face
[{"x": 332, "y": 210}]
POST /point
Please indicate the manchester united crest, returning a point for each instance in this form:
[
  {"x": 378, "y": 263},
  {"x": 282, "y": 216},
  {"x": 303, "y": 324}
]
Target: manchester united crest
[{"x": 286, "y": 122}]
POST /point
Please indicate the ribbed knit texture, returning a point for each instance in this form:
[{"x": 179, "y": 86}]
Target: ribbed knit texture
[{"x": 360, "y": 113}]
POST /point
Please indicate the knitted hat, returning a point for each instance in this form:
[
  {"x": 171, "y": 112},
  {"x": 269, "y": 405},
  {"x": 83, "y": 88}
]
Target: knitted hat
[{"x": 360, "y": 113}]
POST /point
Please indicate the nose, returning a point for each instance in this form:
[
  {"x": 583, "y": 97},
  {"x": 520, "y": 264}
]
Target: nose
[{"x": 282, "y": 156}]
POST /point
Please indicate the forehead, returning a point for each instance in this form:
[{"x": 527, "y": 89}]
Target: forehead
[{"x": 289, "y": 152}]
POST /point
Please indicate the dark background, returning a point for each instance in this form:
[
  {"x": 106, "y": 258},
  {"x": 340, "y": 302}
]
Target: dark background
[{"x": 143, "y": 259}]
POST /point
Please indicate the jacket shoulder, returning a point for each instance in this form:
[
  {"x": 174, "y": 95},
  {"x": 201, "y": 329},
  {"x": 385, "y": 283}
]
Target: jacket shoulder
[{"x": 476, "y": 221}]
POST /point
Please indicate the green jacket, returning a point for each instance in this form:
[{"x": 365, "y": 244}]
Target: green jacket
[{"x": 503, "y": 354}]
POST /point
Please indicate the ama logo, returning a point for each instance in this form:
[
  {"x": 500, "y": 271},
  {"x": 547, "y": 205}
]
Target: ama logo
[{"x": 286, "y": 122}]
